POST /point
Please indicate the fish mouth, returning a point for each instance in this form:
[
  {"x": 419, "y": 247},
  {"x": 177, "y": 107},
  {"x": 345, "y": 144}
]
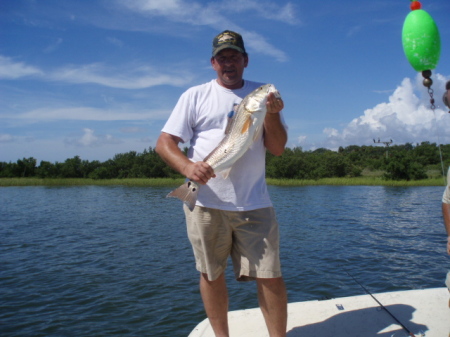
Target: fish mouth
[{"x": 271, "y": 88}]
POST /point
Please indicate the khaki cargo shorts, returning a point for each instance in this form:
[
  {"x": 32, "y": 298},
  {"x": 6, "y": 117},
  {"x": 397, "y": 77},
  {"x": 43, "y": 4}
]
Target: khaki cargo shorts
[{"x": 251, "y": 238}]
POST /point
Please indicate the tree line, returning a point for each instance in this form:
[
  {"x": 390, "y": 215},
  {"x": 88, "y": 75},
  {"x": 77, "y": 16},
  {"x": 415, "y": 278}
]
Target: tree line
[{"x": 398, "y": 162}]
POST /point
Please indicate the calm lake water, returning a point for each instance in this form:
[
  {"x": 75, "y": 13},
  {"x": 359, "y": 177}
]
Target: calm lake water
[{"x": 115, "y": 261}]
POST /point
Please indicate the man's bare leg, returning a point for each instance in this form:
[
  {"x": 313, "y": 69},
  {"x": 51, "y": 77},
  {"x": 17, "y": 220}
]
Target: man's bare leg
[
  {"x": 215, "y": 299},
  {"x": 273, "y": 302}
]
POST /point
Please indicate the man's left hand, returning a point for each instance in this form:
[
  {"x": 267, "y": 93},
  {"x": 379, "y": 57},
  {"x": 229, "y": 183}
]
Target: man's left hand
[{"x": 274, "y": 105}]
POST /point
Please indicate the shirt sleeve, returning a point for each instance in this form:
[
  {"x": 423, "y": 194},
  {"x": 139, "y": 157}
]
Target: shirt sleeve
[{"x": 180, "y": 121}]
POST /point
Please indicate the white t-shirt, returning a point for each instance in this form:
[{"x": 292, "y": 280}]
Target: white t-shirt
[
  {"x": 200, "y": 117},
  {"x": 446, "y": 196}
]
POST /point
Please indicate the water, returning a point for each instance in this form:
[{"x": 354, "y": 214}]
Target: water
[{"x": 115, "y": 261}]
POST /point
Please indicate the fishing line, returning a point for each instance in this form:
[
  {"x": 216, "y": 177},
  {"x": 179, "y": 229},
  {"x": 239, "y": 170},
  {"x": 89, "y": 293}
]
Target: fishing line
[{"x": 381, "y": 305}]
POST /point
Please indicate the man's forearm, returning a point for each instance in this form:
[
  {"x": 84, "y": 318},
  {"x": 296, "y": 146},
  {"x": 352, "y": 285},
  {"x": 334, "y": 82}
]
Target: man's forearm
[
  {"x": 167, "y": 148},
  {"x": 275, "y": 135}
]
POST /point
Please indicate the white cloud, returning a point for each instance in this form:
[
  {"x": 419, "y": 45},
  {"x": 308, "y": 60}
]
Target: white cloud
[
  {"x": 302, "y": 140},
  {"x": 6, "y": 138},
  {"x": 266, "y": 9},
  {"x": 114, "y": 41},
  {"x": 194, "y": 12},
  {"x": 129, "y": 77},
  {"x": 174, "y": 10},
  {"x": 54, "y": 46},
  {"x": 260, "y": 45},
  {"x": 406, "y": 118},
  {"x": 218, "y": 15},
  {"x": 138, "y": 78},
  {"x": 132, "y": 129},
  {"x": 87, "y": 114},
  {"x": 165, "y": 7},
  {"x": 10, "y": 69},
  {"x": 89, "y": 139}
]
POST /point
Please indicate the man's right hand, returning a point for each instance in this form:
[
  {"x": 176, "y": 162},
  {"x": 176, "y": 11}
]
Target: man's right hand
[{"x": 200, "y": 172}]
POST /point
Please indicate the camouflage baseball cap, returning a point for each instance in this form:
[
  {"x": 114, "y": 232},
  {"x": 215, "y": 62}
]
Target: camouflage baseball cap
[{"x": 228, "y": 39}]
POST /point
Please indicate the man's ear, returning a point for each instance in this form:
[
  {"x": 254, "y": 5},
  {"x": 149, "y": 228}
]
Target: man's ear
[{"x": 213, "y": 63}]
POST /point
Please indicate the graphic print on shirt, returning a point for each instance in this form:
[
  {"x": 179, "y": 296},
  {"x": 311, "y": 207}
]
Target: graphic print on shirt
[{"x": 230, "y": 116}]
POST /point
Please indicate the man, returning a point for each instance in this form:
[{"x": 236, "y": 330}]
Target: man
[{"x": 232, "y": 216}]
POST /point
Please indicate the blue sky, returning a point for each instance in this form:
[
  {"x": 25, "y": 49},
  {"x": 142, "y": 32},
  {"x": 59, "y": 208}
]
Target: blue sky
[{"x": 95, "y": 78}]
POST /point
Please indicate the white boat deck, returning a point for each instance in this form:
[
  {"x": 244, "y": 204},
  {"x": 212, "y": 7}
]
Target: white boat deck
[{"x": 423, "y": 312}]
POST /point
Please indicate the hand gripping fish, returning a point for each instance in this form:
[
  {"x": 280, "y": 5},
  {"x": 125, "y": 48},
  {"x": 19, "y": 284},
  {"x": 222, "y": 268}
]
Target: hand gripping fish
[{"x": 244, "y": 127}]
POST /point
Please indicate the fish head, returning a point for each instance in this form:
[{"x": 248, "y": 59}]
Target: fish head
[
  {"x": 258, "y": 98},
  {"x": 271, "y": 88}
]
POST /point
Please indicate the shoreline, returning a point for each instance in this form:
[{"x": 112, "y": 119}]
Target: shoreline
[{"x": 158, "y": 182}]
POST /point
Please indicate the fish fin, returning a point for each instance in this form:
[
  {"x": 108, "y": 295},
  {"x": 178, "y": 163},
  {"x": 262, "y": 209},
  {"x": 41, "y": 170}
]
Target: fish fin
[
  {"x": 225, "y": 173},
  {"x": 187, "y": 193},
  {"x": 246, "y": 125}
]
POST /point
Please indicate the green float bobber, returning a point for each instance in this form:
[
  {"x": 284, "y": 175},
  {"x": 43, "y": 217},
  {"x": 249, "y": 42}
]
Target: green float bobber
[{"x": 421, "y": 40}]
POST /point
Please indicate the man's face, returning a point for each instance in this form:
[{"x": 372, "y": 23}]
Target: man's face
[{"x": 229, "y": 65}]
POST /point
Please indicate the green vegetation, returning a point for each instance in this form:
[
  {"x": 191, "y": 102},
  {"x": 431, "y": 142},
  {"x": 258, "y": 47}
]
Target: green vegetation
[
  {"x": 358, "y": 181},
  {"x": 144, "y": 182},
  {"x": 403, "y": 165},
  {"x": 157, "y": 182},
  {"x": 402, "y": 162}
]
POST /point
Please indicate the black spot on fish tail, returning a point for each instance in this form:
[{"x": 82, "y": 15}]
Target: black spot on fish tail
[{"x": 187, "y": 193}]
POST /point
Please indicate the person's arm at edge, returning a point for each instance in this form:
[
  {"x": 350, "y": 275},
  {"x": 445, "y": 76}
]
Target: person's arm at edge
[
  {"x": 275, "y": 135},
  {"x": 167, "y": 148},
  {"x": 446, "y": 215}
]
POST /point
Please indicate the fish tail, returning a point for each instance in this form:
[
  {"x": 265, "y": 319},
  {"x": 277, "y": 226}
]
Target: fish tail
[{"x": 187, "y": 193}]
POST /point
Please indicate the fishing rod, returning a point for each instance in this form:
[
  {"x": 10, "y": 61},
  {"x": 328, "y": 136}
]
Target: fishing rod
[{"x": 381, "y": 305}]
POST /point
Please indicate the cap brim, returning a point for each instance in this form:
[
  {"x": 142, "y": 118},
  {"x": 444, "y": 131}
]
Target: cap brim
[{"x": 228, "y": 46}]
